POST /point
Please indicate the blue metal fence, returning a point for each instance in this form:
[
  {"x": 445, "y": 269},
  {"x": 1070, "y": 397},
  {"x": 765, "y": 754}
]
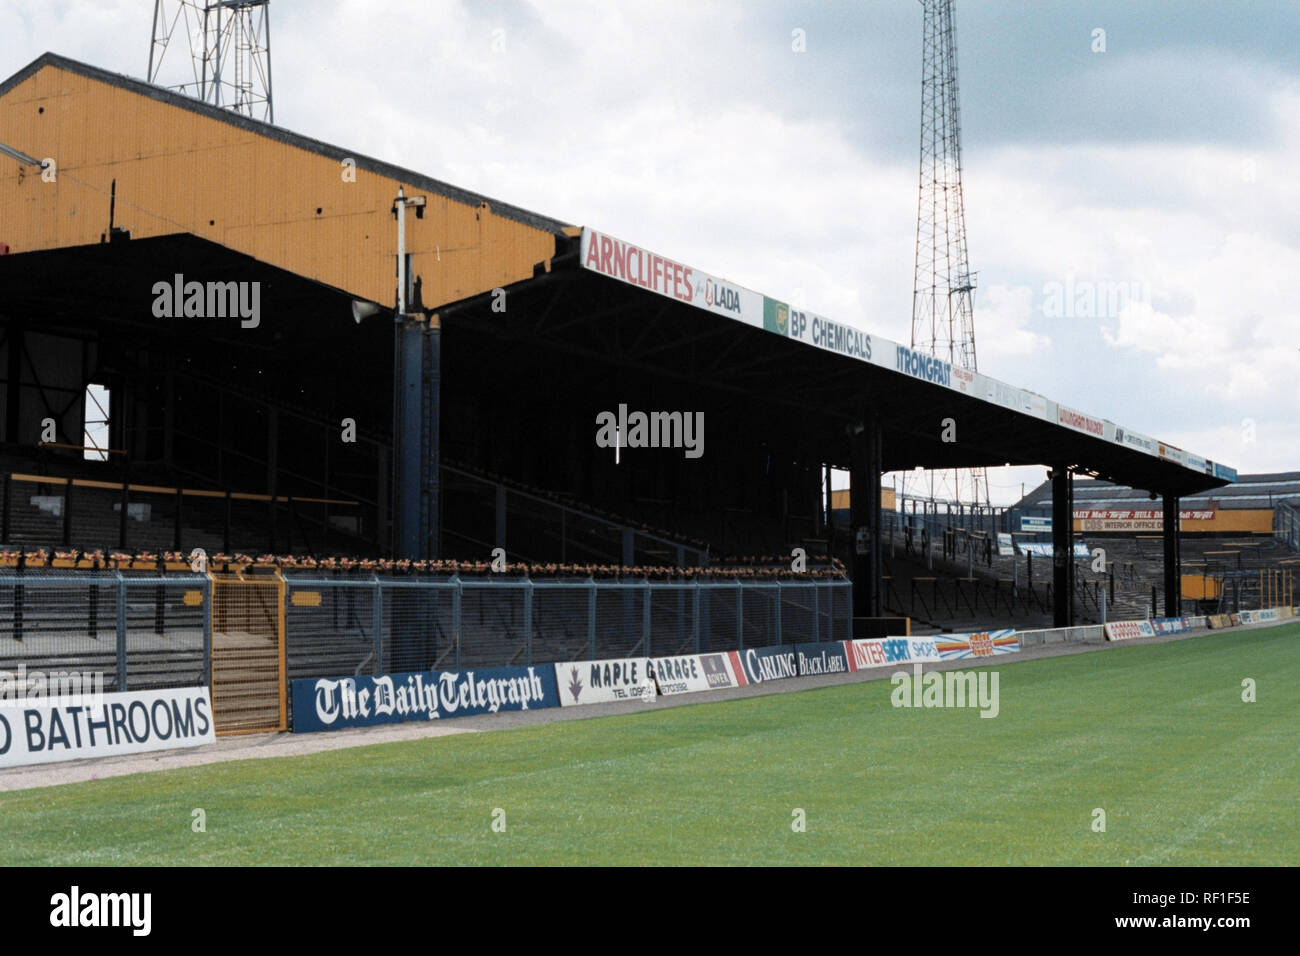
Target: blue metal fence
[
  {"x": 135, "y": 630},
  {"x": 141, "y": 630},
  {"x": 339, "y": 626}
]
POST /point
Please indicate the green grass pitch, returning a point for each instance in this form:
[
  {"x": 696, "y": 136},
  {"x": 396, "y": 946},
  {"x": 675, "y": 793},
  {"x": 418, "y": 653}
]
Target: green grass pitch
[{"x": 1157, "y": 736}]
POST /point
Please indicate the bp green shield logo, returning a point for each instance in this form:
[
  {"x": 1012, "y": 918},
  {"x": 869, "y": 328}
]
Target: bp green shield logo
[{"x": 776, "y": 316}]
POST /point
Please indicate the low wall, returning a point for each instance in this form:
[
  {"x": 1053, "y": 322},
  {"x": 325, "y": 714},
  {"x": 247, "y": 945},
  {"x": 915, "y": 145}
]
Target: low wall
[{"x": 1092, "y": 633}]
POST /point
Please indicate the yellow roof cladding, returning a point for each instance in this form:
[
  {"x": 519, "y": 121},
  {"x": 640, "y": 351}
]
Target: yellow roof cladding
[{"x": 181, "y": 166}]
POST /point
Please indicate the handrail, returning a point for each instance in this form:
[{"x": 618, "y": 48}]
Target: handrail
[
  {"x": 60, "y": 444},
  {"x": 163, "y": 490},
  {"x": 613, "y": 522},
  {"x": 259, "y": 461}
]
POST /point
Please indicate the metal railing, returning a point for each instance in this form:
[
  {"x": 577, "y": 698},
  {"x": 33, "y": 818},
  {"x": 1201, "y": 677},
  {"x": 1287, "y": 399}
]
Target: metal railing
[
  {"x": 482, "y": 513},
  {"x": 341, "y": 626},
  {"x": 134, "y": 630},
  {"x": 43, "y": 509},
  {"x": 246, "y": 634},
  {"x": 1286, "y": 523}
]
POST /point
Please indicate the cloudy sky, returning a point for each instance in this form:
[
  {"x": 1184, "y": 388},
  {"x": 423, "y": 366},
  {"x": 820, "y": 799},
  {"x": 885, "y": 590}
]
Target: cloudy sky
[{"x": 1161, "y": 169}]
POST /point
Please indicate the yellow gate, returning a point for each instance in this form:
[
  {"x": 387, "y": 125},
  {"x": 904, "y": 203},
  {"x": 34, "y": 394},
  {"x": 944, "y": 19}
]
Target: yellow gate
[{"x": 248, "y": 653}]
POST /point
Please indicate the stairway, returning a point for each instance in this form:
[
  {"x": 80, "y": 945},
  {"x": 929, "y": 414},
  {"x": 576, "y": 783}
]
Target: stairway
[{"x": 245, "y": 682}]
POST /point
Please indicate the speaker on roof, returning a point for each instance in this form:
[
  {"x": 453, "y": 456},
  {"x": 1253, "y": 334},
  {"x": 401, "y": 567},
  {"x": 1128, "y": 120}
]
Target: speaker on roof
[{"x": 363, "y": 310}]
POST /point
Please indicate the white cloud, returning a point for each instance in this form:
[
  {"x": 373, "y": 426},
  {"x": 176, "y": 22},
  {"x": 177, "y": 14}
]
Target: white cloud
[
  {"x": 1251, "y": 445},
  {"x": 1203, "y": 249},
  {"x": 1001, "y": 331}
]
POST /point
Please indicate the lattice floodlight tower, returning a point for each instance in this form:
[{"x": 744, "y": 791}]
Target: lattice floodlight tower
[
  {"x": 943, "y": 323},
  {"x": 229, "y": 62}
]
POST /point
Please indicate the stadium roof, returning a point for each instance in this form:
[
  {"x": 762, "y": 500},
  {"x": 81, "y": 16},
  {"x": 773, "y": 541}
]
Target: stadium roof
[
  {"x": 148, "y": 163},
  {"x": 1249, "y": 491},
  {"x": 174, "y": 166},
  {"x": 996, "y": 423}
]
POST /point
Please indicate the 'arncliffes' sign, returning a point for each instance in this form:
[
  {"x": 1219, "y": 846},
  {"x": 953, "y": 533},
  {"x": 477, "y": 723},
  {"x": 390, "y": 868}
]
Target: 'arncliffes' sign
[
  {"x": 346, "y": 702},
  {"x": 69, "y": 728},
  {"x": 636, "y": 266}
]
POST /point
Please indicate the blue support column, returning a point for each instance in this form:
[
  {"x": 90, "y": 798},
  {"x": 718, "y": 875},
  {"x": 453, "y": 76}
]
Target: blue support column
[
  {"x": 591, "y": 618},
  {"x": 417, "y": 395},
  {"x": 407, "y": 401},
  {"x": 207, "y": 630},
  {"x": 864, "y": 512},
  {"x": 1062, "y": 546},
  {"x": 645, "y": 620},
  {"x": 777, "y": 619},
  {"x": 528, "y": 621},
  {"x": 121, "y": 632},
  {"x": 431, "y": 443},
  {"x": 417, "y": 372},
  {"x": 740, "y": 616},
  {"x": 456, "y": 614},
  {"x": 377, "y": 626},
  {"x": 500, "y": 539},
  {"x": 1173, "y": 559},
  {"x": 695, "y": 615},
  {"x": 816, "y": 612}
]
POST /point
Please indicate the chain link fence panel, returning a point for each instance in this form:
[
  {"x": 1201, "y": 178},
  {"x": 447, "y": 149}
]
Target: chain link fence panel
[
  {"x": 166, "y": 630},
  {"x": 799, "y": 621},
  {"x": 52, "y": 623},
  {"x": 492, "y": 631},
  {"x": 563, "y": 623},
  {"x": 249, "y": 635},
  {"x": 720, "y": 616},
  {"x": 329, "y": 628},
  {"x": 419, "y": 629},
  {"x": 620, "y": 620},
  {"x": 760, "y": 609},
  {"x": 672, "y": 619}
]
